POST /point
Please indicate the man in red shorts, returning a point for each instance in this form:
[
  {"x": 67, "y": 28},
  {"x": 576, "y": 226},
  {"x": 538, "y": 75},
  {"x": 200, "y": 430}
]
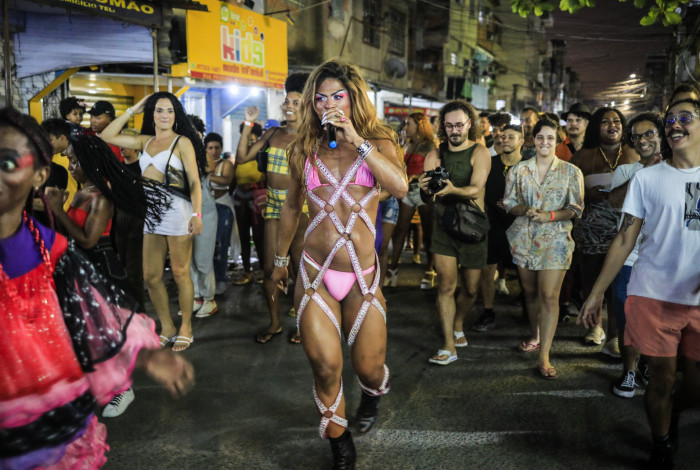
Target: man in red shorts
[{"x": 663, "y": 203}]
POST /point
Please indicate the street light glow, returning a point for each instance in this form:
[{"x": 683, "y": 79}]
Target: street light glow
[
  {"x": 233, "y": 89},
  {"x": 633, "y": 75}
]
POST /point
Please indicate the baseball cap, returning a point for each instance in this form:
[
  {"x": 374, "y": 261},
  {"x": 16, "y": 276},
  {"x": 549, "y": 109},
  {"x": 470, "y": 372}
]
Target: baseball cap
[
  {"x": 271, "y": 123},
  {"x": 102, "y": 107}
]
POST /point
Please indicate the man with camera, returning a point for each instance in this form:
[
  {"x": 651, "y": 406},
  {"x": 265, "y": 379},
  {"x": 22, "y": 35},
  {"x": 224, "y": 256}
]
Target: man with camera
[{"x": 454, "y": 173}]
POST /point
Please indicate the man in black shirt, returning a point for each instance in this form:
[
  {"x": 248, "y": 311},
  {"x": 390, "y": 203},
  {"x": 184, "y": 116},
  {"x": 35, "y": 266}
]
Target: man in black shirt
[{"x": 498, "y": 252}]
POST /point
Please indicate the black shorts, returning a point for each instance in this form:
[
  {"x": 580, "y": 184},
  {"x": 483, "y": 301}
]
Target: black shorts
[{"x": 499, "y": 249}]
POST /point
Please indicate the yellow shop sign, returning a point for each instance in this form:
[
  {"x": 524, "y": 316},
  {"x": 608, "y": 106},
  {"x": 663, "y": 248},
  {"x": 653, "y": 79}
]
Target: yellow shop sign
[{"x": 234, "y": 43}]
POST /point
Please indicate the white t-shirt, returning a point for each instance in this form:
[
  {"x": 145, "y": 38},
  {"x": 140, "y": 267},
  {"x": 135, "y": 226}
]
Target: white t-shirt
[
  {"x": 668, "y": 199},
  {"x": 623, "y": 174}
]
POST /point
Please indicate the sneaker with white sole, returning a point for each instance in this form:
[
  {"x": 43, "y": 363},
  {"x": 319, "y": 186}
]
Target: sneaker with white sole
[
  {"x": 196, "y": 305},
  {"x": 208, "y": 309},
  {"x": 626, "y": 385},
  {"x": 595, "y": 336},
  {"x": 612, "y": 348},
  {"x": 118, "y": 404}
]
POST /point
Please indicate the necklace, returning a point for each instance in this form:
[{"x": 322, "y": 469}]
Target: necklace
[{"x": 619, "y": 154}]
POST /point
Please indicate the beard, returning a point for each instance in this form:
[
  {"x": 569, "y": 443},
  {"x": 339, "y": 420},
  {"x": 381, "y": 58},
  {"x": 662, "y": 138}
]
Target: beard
[{"x": 457, "y": 139}]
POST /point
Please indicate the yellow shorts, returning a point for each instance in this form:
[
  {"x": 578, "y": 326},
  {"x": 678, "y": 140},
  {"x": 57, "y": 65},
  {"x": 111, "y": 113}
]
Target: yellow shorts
[{"x": 275, "y": 201}]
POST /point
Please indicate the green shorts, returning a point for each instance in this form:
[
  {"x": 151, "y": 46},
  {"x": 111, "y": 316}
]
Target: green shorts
[{"x": 469, "y": 255}]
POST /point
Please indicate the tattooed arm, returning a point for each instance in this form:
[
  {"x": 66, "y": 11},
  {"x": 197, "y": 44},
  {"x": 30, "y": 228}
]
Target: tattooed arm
[{"x": 619, "y": 250}]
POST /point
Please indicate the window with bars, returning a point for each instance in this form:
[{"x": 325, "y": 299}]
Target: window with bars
[
  {"x": 371, "y": 16},
  {"x": 397, "y": 39}
]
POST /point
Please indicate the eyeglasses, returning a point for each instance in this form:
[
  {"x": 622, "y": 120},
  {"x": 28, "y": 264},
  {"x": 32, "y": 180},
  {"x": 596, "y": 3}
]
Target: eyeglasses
[
  {"x": 457, "y": 126},
  {"x": 683, "y": 119},
  {"x": 648, "y": 135}
]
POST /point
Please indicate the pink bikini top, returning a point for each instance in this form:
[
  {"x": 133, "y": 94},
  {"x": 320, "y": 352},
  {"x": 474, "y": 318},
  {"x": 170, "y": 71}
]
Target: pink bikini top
[{"x": 364, "y": 176}]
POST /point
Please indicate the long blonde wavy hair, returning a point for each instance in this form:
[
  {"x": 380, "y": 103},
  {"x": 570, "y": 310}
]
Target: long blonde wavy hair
[{"x": 362, "y": 115}]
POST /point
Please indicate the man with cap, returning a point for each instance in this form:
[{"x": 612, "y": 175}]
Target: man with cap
[
  {"x": 576, "y": 118},
  {"x": 101, "y": 114}
]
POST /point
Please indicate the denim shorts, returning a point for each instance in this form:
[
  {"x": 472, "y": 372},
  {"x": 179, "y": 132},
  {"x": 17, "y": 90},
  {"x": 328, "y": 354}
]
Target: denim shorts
[
  {"x": 390, "y": 210},
  {"x": 412, "y": 197}
]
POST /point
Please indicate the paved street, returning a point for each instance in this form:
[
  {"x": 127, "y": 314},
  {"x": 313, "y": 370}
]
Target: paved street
[{"x": 252, "y": 407}]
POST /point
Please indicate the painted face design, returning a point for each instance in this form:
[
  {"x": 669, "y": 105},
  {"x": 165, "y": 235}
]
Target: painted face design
[{"x": 11, "y": 160}]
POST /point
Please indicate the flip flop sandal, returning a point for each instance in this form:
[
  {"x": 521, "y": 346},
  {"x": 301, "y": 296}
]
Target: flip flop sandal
[
  {"x": 266, "y": 336},
  {"x": 459, "y": 335},
  {"x": 549, "y": 373},
  {"x": 528, "y": 347},
  {"x": 443, "y": 362}
]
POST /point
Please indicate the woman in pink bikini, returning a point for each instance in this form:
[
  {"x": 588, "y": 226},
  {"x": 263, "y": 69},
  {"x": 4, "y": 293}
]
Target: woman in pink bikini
[{"x": 337, "y": 289}]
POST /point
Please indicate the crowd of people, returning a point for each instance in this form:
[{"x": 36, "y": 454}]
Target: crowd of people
[{"x": 593, "y": 214}]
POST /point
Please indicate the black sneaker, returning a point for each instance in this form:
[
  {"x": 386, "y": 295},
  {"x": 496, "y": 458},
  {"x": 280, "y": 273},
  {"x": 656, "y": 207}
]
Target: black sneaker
[
  {"x": 661, "y": 457},
  {"x": 626, "y": 385},
  {"x": 643, "y": 368},
  {"x": 486, "y": 321}
]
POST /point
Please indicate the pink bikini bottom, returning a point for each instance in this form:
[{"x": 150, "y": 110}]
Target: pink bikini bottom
[{"x": 338, "y": 283}]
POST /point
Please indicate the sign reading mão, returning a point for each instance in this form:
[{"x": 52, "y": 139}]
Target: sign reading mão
[
  {"x": 134, "y": 11},
  {"x": 234, "y": 43}
]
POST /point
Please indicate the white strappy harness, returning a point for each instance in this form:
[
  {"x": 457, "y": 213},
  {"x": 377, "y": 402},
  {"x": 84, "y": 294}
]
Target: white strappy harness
[{"x": 310, "y": 288}]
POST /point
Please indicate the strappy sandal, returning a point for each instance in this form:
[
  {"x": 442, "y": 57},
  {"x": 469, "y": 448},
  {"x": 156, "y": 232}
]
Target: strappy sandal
[
  {"x": 185, "y": 340},
  {"x": 165, "y": 341},
  {"x": 459, "y": 335}
]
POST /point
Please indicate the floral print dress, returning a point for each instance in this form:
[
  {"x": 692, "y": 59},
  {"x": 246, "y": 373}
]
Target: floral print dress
[{"x": 539, "y": 246}]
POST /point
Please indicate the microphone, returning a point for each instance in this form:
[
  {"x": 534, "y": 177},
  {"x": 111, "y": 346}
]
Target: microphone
[{"x": 330, "y": 132}]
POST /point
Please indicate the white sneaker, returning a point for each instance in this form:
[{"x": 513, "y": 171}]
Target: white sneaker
[
  {"x": 208, "y": 309},
  {"x": 196, "y": 305},
  {"x": 221, "y": 287},
  {"x": 118, "y": 404},
  {"x": 501, "y": 287}
]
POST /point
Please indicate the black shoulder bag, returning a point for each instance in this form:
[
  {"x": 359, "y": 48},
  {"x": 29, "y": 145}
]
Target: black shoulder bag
[
  {"x": 464, "y": 221},
  {"x": 261, "y": 156},
  {"x": 175, "y": 179}
]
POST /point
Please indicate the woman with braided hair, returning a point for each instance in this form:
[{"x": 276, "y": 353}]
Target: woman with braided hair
[
  {"x": 70, "y": 340},
  {"x": 337, "y": 289},
  {"x": 172, "y": 157}
]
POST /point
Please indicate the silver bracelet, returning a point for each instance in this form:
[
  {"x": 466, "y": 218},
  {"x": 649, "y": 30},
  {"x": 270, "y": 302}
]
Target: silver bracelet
[
  {"x": 281, "y": 261},
  {"x": 131, "y": 113},
  {"x": 365, "y": 149}
]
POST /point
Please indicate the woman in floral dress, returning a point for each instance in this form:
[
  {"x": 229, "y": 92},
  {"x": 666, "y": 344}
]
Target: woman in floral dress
[{"x": 545, "y": 194}]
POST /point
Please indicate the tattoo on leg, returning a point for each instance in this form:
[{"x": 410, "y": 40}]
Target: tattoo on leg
[{"x": 627, "y": 222}]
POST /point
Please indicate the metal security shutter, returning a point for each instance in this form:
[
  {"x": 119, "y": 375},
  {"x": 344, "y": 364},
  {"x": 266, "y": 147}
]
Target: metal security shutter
[{"x": 56, "y": 42}]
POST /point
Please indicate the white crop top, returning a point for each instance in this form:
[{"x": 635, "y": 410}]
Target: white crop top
[{"x": 160, "y": 160}]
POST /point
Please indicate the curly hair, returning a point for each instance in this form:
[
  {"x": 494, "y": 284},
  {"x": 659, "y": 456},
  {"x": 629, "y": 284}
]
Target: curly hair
[
  {"x": 591, "y": 139},
  {"x": 295, "y": 82},
  {"x": 182, "y": 125},
  {"x": 66, "y": 105},
  {"x": 458, "y": 105},
  {"x": 499, "y": 119},
  {"x": 362, "y": 113}
]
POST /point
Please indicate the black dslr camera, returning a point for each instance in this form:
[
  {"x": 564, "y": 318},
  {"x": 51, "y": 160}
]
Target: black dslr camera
[{"x": 437, "y": 179}]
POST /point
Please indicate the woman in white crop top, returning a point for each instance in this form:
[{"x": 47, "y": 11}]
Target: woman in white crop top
[{"x": 163, "y": 121}]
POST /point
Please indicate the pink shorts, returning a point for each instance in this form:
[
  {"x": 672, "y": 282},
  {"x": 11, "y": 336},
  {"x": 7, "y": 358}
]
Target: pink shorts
[{"x": 656, "y": 328}]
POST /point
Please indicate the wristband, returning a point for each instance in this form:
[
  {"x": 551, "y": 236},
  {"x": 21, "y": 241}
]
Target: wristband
[
  {"x": 248, "y": 123},
  {"x": 131, "y": 113},
  {"x": 281, "y": 261},
  {"x": 196, "y": 214},
  {"x": 365, "y": 149},
  {"x": 551, "y": 212}
]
